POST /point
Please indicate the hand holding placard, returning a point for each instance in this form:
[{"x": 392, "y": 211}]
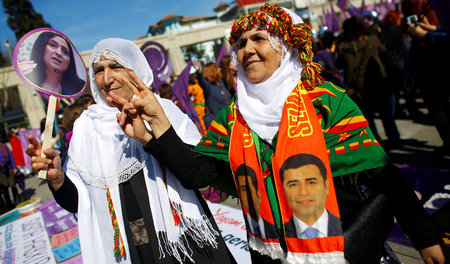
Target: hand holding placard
[
  {"x": 46, "y": 144},
  {"x": 46, "y": 60}
]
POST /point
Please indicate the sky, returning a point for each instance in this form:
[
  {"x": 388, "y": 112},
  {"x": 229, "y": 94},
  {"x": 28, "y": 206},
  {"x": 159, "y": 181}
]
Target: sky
[{"x": 86, "y": 22}]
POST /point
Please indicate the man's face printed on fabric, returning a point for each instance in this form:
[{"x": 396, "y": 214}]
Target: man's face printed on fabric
[
  {"x": 108, "y": 77},
  {"x": 250, "y": 196},
  {"x": 306, "y": 192}
]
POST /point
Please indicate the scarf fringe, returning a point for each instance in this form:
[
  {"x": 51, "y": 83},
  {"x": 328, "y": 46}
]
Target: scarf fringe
[
  {"x": 272, "y": 250},
  {"x": 179, "y": 249},
  {"x": 200, "y": 231},
  {"x": 316, "y": 258}
]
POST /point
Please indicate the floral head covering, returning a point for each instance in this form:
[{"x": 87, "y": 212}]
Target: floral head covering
[{"x": 296, "y": 36}]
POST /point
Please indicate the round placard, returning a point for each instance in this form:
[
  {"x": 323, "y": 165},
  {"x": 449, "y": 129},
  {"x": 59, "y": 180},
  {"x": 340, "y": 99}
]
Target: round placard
[{"x": 46, "y": 60}]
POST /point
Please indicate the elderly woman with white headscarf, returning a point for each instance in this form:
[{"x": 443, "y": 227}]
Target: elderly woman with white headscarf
[
  {"x": 291, "y": 139},
  {"x": 131, "y": 209}
]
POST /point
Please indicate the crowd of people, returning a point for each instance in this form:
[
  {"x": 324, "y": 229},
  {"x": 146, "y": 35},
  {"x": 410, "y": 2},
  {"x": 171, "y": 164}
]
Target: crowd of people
[
  {"x": 130, "y": 162},
  {"x": 379, "y": 61}
]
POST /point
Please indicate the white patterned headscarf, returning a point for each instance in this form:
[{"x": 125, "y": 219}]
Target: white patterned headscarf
[
  {"x": 121, "y": 157},
  {"x": 120, "y": 51}
]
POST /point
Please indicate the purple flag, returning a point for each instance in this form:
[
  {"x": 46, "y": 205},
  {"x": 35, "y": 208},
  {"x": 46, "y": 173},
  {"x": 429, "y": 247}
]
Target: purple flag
[
  {"x": 180, "y": 93},
  {"x": 384, "y": 6},
  {"x": 334, "y": 20},
  {"x": 325, "y": 18},
  {"x": 159, "y": 62},
  {"x": 363, "y": 7},
  {"x": 345, "y": 5},
  {"x": 223, "y": 52}
]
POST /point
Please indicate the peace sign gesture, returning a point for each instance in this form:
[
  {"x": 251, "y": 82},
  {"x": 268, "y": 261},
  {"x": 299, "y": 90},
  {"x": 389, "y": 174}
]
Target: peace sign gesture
[{"x": 144, "y": 106}]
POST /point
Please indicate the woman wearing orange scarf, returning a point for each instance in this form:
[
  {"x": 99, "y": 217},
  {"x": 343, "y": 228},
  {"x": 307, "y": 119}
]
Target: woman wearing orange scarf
[{"x": 292, "y": 139}]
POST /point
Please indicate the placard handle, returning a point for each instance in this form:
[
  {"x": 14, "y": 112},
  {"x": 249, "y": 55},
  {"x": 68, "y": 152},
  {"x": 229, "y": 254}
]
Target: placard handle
[{"x": 49, "y": 121}]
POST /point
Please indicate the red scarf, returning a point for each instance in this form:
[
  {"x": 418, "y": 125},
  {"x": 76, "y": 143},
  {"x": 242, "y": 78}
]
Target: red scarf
[{"x": 301, "y": 153}]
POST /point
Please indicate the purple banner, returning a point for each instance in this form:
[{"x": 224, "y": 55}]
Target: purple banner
[{"x": 56, "y": 218}]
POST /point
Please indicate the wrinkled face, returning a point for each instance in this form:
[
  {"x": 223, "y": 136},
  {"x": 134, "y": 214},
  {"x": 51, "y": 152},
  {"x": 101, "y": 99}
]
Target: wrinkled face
[
  {"x": 250, "y": 197},
  {"x": 108, "y": 74},
  {"x": 256, "y": 56},
  {"x": 306, "y": 192},
  {"x": 57, "y": 54}
]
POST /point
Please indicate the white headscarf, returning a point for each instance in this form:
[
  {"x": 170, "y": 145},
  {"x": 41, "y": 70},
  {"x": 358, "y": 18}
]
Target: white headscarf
[
  {"x": 121, "y": 157},
  {"x": 101, "y": 155},
  {"x": 261, "y": 104}
]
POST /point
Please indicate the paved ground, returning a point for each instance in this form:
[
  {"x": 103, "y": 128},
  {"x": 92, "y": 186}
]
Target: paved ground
[{"x": 420, "y": 137}]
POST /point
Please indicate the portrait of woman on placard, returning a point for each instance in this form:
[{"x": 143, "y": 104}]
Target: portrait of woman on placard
[{"x": 52, "y": 65}]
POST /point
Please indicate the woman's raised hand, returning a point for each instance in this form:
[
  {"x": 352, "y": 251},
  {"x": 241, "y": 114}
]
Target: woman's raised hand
[
  {"x": 51, "y": 162},
  {"x": 27, "y": 66},
  {"x": 129, "y": 119},
  {"x": 148, "y": 106},
  {"x": 144, "y": 105}
]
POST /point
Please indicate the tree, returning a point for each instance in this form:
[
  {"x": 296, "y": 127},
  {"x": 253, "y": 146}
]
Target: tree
[{"x": 22, "y": 17}]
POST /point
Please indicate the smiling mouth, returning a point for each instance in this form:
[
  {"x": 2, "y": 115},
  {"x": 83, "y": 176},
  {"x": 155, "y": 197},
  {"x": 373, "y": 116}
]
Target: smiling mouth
[
  {"x": 250, "y": 64},
  {"x": 305, "y": 201}
]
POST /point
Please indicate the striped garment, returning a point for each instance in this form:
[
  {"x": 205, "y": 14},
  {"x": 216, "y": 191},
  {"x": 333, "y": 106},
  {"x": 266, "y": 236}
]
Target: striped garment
[{"x": 350, "y": 143}]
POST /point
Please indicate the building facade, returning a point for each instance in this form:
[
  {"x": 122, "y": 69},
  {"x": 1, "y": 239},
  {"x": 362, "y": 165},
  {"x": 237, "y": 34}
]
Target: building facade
[{"x": 21, "y": 106}]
